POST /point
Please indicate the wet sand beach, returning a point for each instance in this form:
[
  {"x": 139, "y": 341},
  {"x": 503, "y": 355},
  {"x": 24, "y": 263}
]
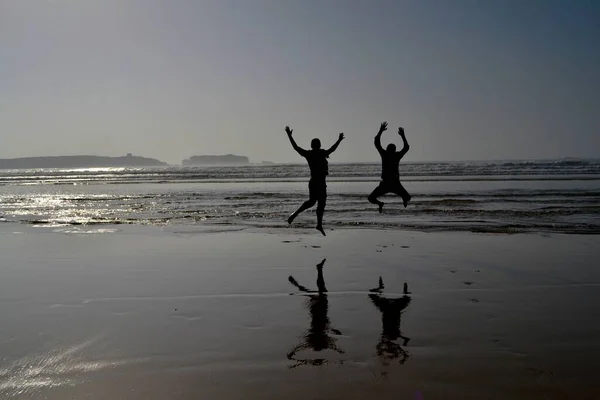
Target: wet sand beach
[
  {"x": 299, "y": 200},
  {"x": 185, "y": 313}
]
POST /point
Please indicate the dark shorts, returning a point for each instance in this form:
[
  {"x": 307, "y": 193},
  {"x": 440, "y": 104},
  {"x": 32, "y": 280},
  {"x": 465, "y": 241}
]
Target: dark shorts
[
  {"x": 390, "y": 187},
  {"x": 317, "y": 189}
]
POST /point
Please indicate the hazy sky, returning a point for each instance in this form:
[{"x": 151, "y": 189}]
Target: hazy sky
[{"x": 468, "y": 79}]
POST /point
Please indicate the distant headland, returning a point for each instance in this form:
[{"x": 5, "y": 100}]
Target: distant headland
[
  {"x": 79, "y": 162},
  {"x": 228, "y": 159}
]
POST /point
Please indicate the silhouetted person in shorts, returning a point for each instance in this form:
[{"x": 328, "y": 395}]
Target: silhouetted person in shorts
[
  {"x": 390, "y": 178},
  {"x": 319, "y": 169}
]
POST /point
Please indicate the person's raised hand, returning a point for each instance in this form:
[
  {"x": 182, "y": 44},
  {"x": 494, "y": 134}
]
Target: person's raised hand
[
  {"x": 288, "y": 130},
  {"x": 401, "y": 131},
  {"x": 341, "y": 137},
  {"x": 383, "y": 127}
]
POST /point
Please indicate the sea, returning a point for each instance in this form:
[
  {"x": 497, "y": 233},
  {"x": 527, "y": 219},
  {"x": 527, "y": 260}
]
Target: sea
[{"x": 546, "y": 196}]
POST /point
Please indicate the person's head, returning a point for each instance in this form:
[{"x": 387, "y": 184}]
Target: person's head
[
  {"x": 391, "y": 148},
  {"x": 315, "y": 144}
]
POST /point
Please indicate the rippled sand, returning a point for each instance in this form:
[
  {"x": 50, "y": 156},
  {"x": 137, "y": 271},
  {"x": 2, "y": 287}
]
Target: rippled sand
[{"x": 150, "y": 313}]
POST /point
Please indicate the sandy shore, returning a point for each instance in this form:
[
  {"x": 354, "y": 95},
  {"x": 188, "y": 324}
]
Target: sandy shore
[{"x": 145, "y": 313}]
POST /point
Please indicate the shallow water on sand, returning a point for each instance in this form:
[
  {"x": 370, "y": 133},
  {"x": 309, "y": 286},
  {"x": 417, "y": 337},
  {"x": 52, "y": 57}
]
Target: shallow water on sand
[
  {"x": 501, "y": 197},
  {"x": 152, "y": 314}
]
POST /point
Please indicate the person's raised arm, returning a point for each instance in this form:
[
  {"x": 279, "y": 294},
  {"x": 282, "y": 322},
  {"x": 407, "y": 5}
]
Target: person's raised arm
[
  {"x": 299, "y": 149},
  {"x": 336, "y": 144},
  {"x": 382, "y": 128},
  {"x": 406, "y": 147}
]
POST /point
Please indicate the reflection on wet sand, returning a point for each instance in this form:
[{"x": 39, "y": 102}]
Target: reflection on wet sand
[
  {"x": 317, "y": 336},
  {"x": 391, "y": 312}
]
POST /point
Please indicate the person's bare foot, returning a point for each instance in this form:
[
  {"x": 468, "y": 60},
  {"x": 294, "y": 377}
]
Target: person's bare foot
[
  {"x": 320, "y": 229},
  {"x": 381, "y": 207},
  {"x": 406, "y": 200}
]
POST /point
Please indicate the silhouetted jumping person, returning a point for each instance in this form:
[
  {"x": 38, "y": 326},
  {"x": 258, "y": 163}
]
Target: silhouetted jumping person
[
  {"x": 319, "y": 169},
  {"x": 390, "y": 178},
  {"x": 317, "y": 337}
]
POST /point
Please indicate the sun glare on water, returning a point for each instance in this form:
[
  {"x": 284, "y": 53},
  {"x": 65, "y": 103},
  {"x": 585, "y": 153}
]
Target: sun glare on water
[{"x": 60, "y": 366}]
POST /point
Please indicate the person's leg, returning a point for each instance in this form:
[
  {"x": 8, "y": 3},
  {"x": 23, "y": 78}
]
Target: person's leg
[
  {"x": 406, "y": 340},
  {"x": 379, "y": 191},
  {"x": 322, "y": 200},
  {"x": 320, "y": 279},
  {"x": 305, "y": 206},
  {"x": 320, "y": 211},
  {"x": 401, "y": 191}
]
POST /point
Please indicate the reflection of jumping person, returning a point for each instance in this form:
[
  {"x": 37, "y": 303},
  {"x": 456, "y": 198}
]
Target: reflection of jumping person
[
  {"x": 317, "y": 161},
  {"x": 391, "y": 312},
  {"x": 317, "y": 337},
  {"x": 390, "y": 178}
]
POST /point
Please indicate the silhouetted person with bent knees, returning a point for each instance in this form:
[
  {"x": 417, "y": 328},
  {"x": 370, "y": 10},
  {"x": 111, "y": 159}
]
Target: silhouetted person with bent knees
[
  {"x": 319, "y": 169},
  {"x": 390, "y": 161},
  {"x": 317, "y": 337},
  {"x": 391, "y": 312}
]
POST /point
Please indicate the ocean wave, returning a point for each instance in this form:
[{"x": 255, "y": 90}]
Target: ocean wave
[
  {"x": 509, "y": 170},
  {"x": 262, "y": 196}
]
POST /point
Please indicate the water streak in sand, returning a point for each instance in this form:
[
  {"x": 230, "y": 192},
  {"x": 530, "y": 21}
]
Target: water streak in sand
[{"x": 211, "y": 296}]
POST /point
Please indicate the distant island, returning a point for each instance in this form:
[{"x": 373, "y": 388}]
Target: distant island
[
  {"x": 228, "y": 159},
  {"x": 79, "y": 162}
]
